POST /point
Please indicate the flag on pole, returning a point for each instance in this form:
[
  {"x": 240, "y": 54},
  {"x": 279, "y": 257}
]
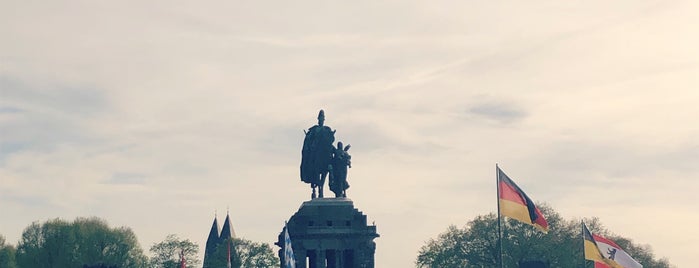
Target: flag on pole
[
  {"x": 183, "y": 261},
  {"x": 289, "y": 259},
  {"x": 229, "y": 253},
  {"x": 593, "y": 253},
  {"x": 514, "y": 203},
  {"x": 610, "y": 250}
]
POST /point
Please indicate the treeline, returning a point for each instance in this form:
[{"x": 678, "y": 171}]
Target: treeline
[
  {"x": 91, "y": 242},
  {"x": 476, "y": 244}
]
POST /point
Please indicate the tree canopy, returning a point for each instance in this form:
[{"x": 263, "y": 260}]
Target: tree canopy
[
  {"x": 255, "y": 255},
  {"x": 166, "y": 254},
  {"x": 7, "y": 254},
  {"x": 84, "y": 242},
  {"x": 245, "y": 254},
  {"x": 476, "y": 244},
  {"x": 91, "y": 243}
]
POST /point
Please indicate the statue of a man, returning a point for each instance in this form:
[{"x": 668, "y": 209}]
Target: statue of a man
[
  {"x": 338, "y": 173},
  {"x": 316, "y": 154}
]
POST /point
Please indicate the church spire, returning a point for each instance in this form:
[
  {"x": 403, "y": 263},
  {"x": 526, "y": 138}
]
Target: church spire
[
  {"x": 227, "y": 231},
  {"x": 214, "y": 232},
  {"x": 211, "y": 242}
]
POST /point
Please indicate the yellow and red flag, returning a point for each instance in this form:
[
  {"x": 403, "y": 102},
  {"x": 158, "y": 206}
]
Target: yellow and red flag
[{"x": 514, "y": 203}]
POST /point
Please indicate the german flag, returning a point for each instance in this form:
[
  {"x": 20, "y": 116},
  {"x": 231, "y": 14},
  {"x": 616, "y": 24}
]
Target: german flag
[
  {"x": 592, "y": 252},
  {"x": 514, "y": 203}
]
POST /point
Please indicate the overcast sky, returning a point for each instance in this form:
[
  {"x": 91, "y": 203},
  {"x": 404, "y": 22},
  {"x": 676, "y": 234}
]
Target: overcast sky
[{"x": 156, "y": 114}]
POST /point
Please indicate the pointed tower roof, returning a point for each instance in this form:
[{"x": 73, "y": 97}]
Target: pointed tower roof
[
  {"x": 211, "y": 243},
  {"x": 227, "y": 231},
  {"x": 214, "y": 233}
]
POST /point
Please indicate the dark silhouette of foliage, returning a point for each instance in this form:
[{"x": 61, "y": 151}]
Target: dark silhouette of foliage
[
  {"x": 83, "y": 242},
  {"x": 99, "y": 266},
  {"x": 245, "y": 254},
  {"x": 7, "y": 254},
  {"x": 476, "y": 245},
  {"x": 166, "y": 254}
]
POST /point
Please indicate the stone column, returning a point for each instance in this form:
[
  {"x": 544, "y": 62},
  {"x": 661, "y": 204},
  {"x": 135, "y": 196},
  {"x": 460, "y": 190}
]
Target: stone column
[
  {"x": 300, "y": 256},
  {"x": 320, "y": 259}
]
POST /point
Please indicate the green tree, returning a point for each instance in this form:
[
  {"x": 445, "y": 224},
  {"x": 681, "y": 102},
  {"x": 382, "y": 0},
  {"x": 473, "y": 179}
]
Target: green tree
[
  {"x": 220, "y": 256},
  {"x": 7, "y": 254},
  {"x": 255, "y": 255},
  {"x": 245, "y": 254},
  {"x": 166, "y": 254},
  {"x": 85, "y": 241},
  {"x": 476, "y": 245}
]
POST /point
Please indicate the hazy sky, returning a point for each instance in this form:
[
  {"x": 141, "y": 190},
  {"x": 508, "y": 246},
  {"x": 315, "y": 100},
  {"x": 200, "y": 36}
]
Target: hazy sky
[{"x": 155, "y": 114}]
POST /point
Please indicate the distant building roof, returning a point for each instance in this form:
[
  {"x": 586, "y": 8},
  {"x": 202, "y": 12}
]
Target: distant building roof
[{"x": 211, "y": 242}]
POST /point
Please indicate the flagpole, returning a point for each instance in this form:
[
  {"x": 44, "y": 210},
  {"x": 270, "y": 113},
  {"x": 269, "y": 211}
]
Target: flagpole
[
  {"x": 229, "y": 253},
  {"x": 582, "y": 234},
  {"x": 497, "y": 195}
]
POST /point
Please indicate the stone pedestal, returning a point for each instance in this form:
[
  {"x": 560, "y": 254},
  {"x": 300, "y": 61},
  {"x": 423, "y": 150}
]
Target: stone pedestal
[{"x": 330, "y": 233}]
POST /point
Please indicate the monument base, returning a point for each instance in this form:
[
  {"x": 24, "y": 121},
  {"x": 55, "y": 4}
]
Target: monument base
[{"x": 330, "y": 233}]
